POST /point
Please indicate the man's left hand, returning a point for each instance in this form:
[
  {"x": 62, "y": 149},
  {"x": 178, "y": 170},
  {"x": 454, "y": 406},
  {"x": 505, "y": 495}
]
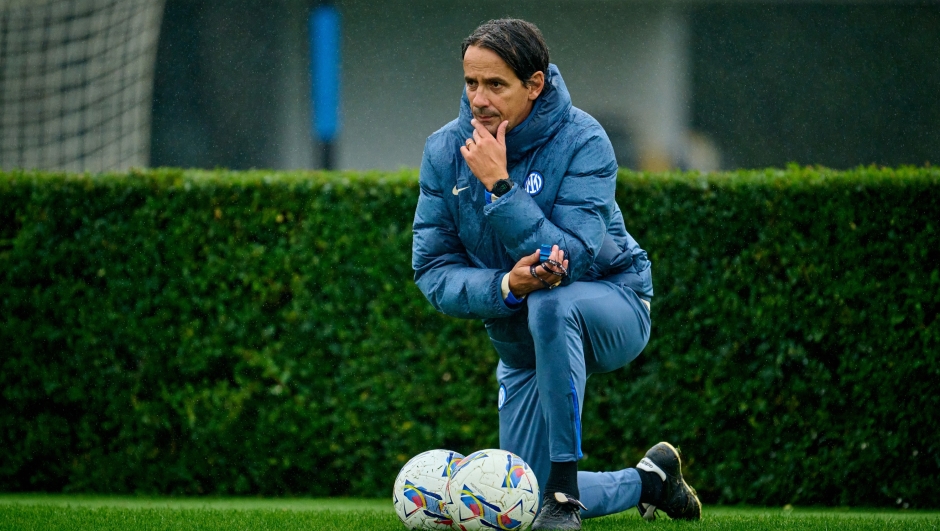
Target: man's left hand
[
  {"x": 521, "y": 281},
  {"x": 486, "y": 154}
]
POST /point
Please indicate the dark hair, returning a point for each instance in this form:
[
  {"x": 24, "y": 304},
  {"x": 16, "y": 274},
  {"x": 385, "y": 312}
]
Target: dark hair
[{"x": 516, "y": 41}]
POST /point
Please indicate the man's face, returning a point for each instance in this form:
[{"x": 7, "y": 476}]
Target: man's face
[{"x": 496, "y": 94}]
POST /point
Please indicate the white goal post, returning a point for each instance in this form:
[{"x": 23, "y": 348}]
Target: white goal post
[{"x": 76, "y": 78}]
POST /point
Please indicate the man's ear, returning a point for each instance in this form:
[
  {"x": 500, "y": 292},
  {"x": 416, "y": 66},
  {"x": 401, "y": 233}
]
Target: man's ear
[{"x": 536, "y": 85}]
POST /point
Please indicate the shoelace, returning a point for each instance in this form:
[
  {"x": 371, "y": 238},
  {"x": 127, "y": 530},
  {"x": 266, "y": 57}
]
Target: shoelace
[{"x": 561, "y": 509}]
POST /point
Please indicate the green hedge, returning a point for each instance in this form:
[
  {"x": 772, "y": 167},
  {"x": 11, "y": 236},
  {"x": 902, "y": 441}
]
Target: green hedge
[{"x": 188, "y": 332}]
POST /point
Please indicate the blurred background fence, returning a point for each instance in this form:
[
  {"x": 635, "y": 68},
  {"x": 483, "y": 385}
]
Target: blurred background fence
[
  {"x": 699, "y": 84},
  {"x": 76, "y": 79}
]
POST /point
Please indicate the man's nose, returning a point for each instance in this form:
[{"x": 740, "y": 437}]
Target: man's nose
[{"x": 479, "y": 99}]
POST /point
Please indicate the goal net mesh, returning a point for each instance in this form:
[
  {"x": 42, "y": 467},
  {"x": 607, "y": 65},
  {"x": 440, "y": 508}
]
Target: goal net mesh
[{"x": 76, "y": 78}]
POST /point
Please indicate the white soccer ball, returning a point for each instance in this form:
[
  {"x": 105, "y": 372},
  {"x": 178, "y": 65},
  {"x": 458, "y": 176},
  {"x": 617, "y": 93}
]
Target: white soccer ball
[
  {"x": 418, "y": 493},
  {"x": 492, "y": 489}
]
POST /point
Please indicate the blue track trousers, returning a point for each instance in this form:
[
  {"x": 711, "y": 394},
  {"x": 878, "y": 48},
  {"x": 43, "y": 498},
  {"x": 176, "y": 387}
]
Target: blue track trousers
[{"x": 576, "y": 330}]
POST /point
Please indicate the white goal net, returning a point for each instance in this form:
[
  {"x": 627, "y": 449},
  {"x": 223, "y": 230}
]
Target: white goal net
[{"x": 76, "y": 78}]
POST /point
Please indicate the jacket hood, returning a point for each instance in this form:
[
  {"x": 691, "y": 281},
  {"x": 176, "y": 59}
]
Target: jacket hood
[{"x": 546, "y": 117}]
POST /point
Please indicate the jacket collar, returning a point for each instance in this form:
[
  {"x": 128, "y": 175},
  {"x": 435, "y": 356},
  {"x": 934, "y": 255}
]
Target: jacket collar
[{"x": 546, "y": 117}]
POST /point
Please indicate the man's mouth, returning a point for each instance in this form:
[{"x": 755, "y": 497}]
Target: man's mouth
[{"x": 485, "y": 117}]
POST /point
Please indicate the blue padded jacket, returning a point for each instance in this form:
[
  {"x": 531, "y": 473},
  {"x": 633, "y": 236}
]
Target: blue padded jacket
[{"x": 463, "y": 246}]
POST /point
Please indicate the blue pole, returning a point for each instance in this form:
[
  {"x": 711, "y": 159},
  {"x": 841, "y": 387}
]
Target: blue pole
[{"x": 324, "y": 27}]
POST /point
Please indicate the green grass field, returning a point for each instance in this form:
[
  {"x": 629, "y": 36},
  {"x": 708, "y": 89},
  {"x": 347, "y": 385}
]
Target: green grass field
[{"x": 80, "y": 513}]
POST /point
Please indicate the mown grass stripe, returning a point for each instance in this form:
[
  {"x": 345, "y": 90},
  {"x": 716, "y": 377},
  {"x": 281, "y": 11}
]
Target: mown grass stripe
[{"x": 86, "y": 513}]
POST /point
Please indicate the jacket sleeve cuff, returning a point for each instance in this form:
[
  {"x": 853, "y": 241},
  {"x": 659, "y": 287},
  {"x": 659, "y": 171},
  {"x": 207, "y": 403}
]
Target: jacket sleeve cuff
[{"x": 511, "y": 300}]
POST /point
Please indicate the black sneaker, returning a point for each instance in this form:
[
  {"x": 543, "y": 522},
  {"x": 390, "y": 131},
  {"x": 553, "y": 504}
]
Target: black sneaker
[
  {"x": 559, "y": 511},
  {"x": 679, "y": 499}
]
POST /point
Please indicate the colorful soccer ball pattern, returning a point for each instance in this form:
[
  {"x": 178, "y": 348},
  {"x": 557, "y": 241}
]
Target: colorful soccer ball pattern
[
  {"x": 492, "y": 489},
  {"x": 418, "y": 493}
]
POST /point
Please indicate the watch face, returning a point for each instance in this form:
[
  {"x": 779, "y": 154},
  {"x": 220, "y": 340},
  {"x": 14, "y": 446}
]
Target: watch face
[{"x": 501, "y": 187}]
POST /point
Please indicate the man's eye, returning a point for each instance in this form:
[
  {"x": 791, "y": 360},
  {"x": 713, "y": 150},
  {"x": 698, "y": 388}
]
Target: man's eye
[{"x": 497, "y": 84}]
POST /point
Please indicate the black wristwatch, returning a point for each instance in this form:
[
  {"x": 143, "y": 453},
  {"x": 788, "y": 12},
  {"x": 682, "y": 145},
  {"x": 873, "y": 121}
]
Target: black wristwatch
[{"x": 502, "y": 187}]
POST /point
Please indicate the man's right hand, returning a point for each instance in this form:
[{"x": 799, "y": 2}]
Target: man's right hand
[{"x": 521, "y": 281}]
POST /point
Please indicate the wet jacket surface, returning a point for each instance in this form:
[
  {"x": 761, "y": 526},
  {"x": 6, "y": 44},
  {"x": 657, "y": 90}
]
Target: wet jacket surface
[{"x": 463, "y": 246}]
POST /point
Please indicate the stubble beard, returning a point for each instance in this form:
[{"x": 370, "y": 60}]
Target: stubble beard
[{"x": 479, "y": 112}]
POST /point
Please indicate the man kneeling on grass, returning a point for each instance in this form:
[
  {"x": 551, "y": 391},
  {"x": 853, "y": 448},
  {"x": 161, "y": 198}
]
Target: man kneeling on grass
[{"x": 517, "y": 225}]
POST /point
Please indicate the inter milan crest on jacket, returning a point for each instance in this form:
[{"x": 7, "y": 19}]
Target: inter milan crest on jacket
[{"x": 533, "y": 183}]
